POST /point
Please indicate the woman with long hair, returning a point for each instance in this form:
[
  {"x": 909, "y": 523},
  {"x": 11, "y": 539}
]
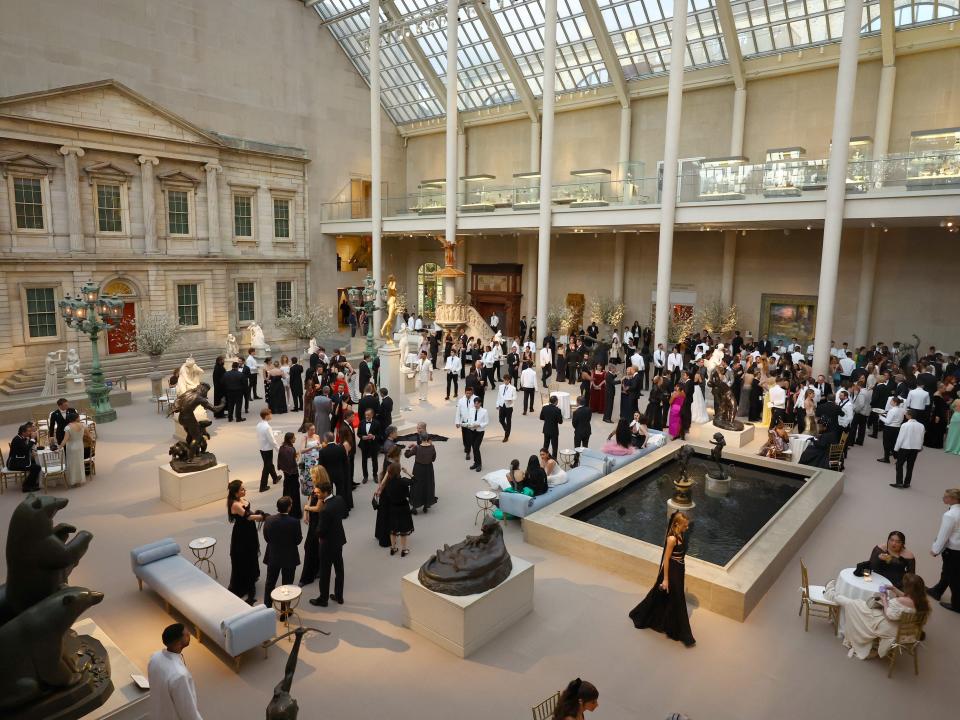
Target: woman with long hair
[
  {"x": 598, "y": 384},
  {"x": 534, "y": 478},
  {"x": 664, "y": 609},
  {"x": 576, "y": 699},
  {"x": 394, "y": 493},
  {"x": 312, "y": 388},
  {"x": 892, "y": 560},
  {"x": 287, "y": 464},
  {"x": 555, "y": 474},
  {"x": 311, "y": 546},
  {"x": 244, "y": 543},
  {"x": 309, "y": 457},
  {"x": 620, "y": 441},
  {"x": 952, "y": 444},
  {"x": 674, "y": 422},
  {"x": 865, "y": 624},
  {"x": 698, "y": 406}
]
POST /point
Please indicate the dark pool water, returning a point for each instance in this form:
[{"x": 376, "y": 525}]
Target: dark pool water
[{"x": 721, "y": 525}]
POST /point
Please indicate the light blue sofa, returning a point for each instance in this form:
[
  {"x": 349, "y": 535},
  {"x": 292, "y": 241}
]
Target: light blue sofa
[
  {"x": 214, "y": 611},
  {"x": 593, "y": 466}
]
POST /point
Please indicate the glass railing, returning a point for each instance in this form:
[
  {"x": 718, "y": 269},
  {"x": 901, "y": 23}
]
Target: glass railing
[{"x": 697, "y": 182}]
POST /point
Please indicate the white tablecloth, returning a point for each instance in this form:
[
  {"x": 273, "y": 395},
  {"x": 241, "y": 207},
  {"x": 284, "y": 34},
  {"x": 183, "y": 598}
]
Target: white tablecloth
[
  {"x": 563, "y": 402},
  {"x": 856, "y": 588},
  {"x": 798, "y": 443}
]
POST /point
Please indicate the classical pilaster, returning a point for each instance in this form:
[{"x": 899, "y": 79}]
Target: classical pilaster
[
  {"x": 264, "y": 214},
  {"x": 71, "y": 168},
  {"x": 147, "y": 164},
  {"x": 213, "y": 208},
  {"x": 728, "y": 267}
]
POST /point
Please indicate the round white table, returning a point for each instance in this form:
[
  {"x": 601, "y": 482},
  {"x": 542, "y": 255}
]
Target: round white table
[
  {"x": 485, "y": 500},
  {"x": 856, "y": 588},
  {"x": 798, "y": 443},
  {"x": 563, "y": 402},
  {"x": 286, "y": 598},
  {"x": 202, "y": 549},
  {"x": 566, "y": 458}
]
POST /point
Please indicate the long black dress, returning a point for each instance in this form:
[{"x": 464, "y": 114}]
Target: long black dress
[
  {"x": 396, "y": 497},
  {"x": 937, "y": 426},
  {"x": 276, "y": 395},
  {"x": 244, "y": 553},
  {"x": 423, "y": 491},
  {"x": 311, "y": 546},
  {"x": 666, "y": 612}
]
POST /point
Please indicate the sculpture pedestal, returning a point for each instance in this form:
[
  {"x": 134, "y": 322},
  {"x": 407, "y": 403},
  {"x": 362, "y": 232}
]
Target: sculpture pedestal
[
  {"x": 128, "y": 702},
  {"x": 735, "y": 439},
  {"x": 391, "y": 376},
  {"x": 463, "y": 624},
  {"x": 189, "y": 490},
  {"x": 74, "y": 384},
  {"x": 672, "y": 507}
]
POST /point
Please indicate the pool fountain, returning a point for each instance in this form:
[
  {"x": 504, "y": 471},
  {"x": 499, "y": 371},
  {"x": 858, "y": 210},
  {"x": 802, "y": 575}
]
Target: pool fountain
[{"x": 749, "y": 515}]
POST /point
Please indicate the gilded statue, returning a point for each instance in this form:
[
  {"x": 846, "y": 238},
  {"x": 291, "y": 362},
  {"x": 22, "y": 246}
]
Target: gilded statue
[{"x": 386, "y": 330}]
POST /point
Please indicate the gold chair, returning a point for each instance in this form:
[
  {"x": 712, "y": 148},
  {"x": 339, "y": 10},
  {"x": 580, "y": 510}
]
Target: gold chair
[
  {"x": 544, "y": 711},
  {"x": 812, "y": 599},
  {"x": 909, "y": 637},
  {"x": 837, "y": 452},
  {"x": 54, "y": 467},
  {"x": 6, "y": 474},
  {"x": 90, "y": 463}
]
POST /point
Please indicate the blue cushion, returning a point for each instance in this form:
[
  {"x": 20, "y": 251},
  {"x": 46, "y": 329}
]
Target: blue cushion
[{"x": 154, "y": 551}]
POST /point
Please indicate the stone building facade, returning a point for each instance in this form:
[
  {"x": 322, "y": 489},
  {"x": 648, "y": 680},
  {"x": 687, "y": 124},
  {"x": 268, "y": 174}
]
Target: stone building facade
[{"x": 99, "y": 182}]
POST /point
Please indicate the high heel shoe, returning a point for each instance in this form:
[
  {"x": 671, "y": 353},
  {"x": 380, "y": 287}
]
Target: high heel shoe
[
  {"x": 393, "y": 551},
  {"x": 404, "y": 552}
]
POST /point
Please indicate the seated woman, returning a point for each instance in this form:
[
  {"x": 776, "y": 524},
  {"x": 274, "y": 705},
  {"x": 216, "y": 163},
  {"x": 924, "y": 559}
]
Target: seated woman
[
  {"x": 777, "y": 440},
  {"x": 534, "y": 478},
  {"x": 514, "y": 476},
  {"x": 638, "y": 431},
  {"x": 555, "y": 475},
  {"x": 865, "y": 625},
  {"x": 620, "y": 441},
  {"x": 892, "y": 559}
]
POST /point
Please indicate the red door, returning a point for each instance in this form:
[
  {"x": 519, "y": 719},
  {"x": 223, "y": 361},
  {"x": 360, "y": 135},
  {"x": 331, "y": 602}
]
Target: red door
[{"x": 122, "y": 340}]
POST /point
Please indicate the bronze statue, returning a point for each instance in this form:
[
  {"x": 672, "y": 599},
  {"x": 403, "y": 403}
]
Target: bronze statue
[
  {"x": 386, "y": 330},
  {"x": 479, "y": 563},
  {"x": 191, "y": 455},
  {"x": 53, "y": 674},
  {"x": 283, "y": 706},
  {"x": 718, "y": 442},
  {"x": 683, "y": 459},
  {"x": 724, "y": 406}
]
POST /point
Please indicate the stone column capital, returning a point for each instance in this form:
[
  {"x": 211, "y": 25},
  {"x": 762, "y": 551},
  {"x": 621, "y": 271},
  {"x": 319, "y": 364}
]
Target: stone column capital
[
  {"x": 213, "y": 167},
  {"x": 148, "y": 159},
  {"x": 68, "y": 149}
]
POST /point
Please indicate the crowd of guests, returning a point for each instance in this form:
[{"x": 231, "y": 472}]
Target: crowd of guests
[{"x": 65, "y": 431}]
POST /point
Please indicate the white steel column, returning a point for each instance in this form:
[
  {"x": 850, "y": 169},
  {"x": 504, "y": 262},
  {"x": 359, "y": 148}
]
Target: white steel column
[
  {"x": 534, "y": 146},
  {"x": 836, "y": 185},
  {"x": 147, "y": 164},
  {"x": 71, "y": 171},
  {"x": 623, "y": 156},
  {"x": 868, "y": 270},
  {"x": 376, "y": 172},
  {"x": 729, "y": 263},
  {"x": 619, "y": 264},
  {"x": 546, "y": 164},
  {"x": 668, "y": 198},
  {"x": 739, "y": 119},
  {"x": 450, "y": 226}
]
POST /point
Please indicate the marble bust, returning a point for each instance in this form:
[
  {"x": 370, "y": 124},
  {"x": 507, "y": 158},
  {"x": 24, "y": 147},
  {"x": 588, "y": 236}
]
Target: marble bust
[{"x": 477, "y": 564}]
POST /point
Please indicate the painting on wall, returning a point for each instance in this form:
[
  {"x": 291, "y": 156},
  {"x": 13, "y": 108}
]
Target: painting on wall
[
  {"x": 783, "y": 317},
  {"x": 492, "y": 283}
]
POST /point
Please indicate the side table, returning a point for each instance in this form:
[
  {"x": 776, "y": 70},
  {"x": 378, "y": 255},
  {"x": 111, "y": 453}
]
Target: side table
[
  {"x": 286, "y": 598},
  {"x": 202, "y": 549}
]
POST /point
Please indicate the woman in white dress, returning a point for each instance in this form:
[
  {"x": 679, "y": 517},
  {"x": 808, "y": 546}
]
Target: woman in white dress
[
  {"x": 555, "y": 476},
  {"x": 865, "y": 625},
  {"x": 698, "y": 407},
  {"x": 73, "y": 449},
  {"x": 285, "y": 369}
]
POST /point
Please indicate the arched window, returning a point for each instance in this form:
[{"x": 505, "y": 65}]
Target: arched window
[{"x": 429, "y": 289}]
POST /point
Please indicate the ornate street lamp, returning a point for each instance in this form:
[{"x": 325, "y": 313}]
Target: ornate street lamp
[
  {"x": 90, "y": 313},
  {"x": 366, "y": 299}
]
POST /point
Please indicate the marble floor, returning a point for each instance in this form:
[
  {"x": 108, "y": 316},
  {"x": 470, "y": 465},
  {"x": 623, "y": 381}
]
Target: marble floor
[{"x": 371, "y": 666}]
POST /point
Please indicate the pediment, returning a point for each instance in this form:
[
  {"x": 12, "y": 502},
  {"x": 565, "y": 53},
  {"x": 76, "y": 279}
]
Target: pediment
[
  {"x": 105, "y": 105},
  {"x": 178, "y": 176},
  {"x": 107, "y": 170},
  {"x": 23, "y": 161}
]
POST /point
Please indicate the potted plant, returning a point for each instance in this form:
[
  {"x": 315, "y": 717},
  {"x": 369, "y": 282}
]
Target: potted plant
[
  {"x": 309, "y": 323},
  {"x": 154, "y": 336}
]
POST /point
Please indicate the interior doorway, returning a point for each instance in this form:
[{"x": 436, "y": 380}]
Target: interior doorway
[{"x": 122, "y": 340}]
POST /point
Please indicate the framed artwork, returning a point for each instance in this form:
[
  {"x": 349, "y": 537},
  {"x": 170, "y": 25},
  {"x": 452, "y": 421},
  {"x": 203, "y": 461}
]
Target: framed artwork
[
  {"x": 492, "y": 283},
  {"x": 783, "y": 317}
]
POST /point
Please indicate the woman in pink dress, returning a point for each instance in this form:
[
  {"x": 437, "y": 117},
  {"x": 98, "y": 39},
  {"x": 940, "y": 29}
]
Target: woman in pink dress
[{"x": 677, "y": 399}]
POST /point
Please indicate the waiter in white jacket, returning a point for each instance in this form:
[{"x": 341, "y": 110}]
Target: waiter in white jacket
[
  {"x": 173, "y": 696},
  {"x": 506, "y": 396},
  {"x": 908, "y": 446},
  {"x": 947, "y": 545},
  {"x": 477, "y": 421},
  {"x": 453, "y": 366},
  {"x": 659, "y": 360}
]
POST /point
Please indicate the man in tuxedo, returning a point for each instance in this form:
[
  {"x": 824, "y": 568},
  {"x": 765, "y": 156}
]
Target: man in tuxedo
[
  {"x": 369, "y": 441},
  {"x": 629, "y": 387},
  {"x": 22, "y": 457},
  {"x": 283, "y": 536},
  {"x": 296, "y": 383},
  {"x": 655, "y": 404},
  {"x": 523, "y": 327},
  {"x": 334, "y": 459},
  {"x": 386, "y": 408},
  {"x": 765, "y": 346},
  {"x": 464, "y": 411},
  {"x": 332, "y": 538},
  {"x": 824, "y": 388},
  {"x": 57, "y": 423},
  {"x": 369, "y": 401},
  {"x": 878, "y": 401},
  {"x": 581, "y": 423},
  {"x": 474, "y": 384},
  {"x": 235, "y": 387},
  {"x": 736, "y": 345},
  {"x": 552, "y": 420},
  {"x": 478, "y": 421},
  {"x": 338, "y": 359},
  {"x": 609, "y": 393},
  {"x": 592, "y": 330},
  {"x": 513, "y": 365},
  {"x": 364, "y": 372}
]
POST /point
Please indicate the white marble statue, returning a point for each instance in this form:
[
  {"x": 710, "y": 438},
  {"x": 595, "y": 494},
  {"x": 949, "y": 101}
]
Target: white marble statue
[
  {"x": 73, "y": 363},
  {"x": 314, "y": 348},
  {"x": 257, "y": 341},
  {"x": 190, "y": 376},
  {"x": 232, "y": 349},
  {"x": 714, "y": 359},
  {"x": 50, "y": 374},
  {"x": 403, "y": 342}
]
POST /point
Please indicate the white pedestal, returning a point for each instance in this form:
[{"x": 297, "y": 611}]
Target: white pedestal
[
  {"x": 127, "y": 702},
  {"x": 188, "y": 490},
  {"x": 74, "y": 384},
  {"x": 705, "y": 432},
  {"x": 358, "y": 345},
  {"x": 462, "y": 625},
  {"x": 391, "y": 375}
]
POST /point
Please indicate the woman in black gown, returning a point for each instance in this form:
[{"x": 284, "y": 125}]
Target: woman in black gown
[
  {"x": 381, "y": 529},
  {"x": 939, "y": 415},
  {"x": 275, "y": 392},
  {"x": 311, "y": 546},
  {"x": 244, "y": 543},
  {"x": 394, "y": 493},
  {"x": 664, "y": 609}
]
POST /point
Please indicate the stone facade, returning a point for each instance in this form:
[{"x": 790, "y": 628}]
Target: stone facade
[{"x": 99, "y": 182}]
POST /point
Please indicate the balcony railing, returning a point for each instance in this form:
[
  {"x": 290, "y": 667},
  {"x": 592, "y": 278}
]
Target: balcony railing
[{"x": 697, "y": 182}]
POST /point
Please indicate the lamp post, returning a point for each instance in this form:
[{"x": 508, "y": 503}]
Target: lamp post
[
  {"x": 90, "y": 314},
  {"x": 366, "y": 299}
]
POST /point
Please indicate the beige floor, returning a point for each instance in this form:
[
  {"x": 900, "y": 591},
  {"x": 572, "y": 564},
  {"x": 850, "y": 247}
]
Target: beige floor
[{"x": 371, "y": 666}]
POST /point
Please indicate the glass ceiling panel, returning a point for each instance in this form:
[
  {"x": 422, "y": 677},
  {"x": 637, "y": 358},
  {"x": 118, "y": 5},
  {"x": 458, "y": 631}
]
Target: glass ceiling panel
[
  {"x": 640, "y": 30},
  {"x": 910, "y": 13}
]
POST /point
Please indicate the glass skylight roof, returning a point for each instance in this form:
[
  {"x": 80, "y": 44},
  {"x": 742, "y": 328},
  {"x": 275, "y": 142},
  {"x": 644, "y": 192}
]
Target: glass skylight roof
[{"x": 638, "y": 29}]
